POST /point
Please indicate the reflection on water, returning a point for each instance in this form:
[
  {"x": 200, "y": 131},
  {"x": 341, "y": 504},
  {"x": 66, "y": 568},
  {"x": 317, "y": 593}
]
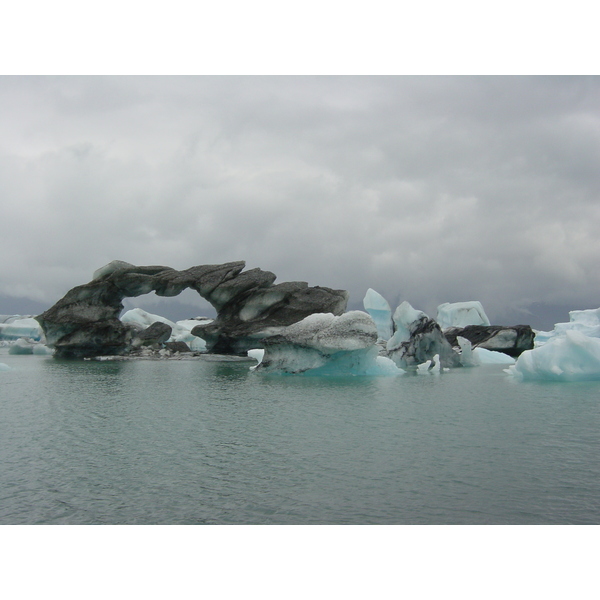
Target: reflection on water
[{"x": 208, "y": 442}]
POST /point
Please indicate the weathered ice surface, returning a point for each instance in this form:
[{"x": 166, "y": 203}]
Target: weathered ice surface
[
  {"x": 509, "y": 340},
  {"x": 417, "y": 339},
  {"x": 324, "y": 344},
  {"x": 86, "y": 321},
  {"x": 251, "y": 315}
]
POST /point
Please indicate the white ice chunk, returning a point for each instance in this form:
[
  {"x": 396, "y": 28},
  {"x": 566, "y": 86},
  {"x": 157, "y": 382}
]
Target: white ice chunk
[
  {"x": 143, "y": 319},
  {"x": 379, "y": 309},
  {"x": 467, "y": 358},
  {"x": 28, "y": 346},
  {"x": 5, "y": 367},
  {"x": 42, "y": 350},
  {"x": 431, "y": 366},
  {"x": 569, "y": 357},
  {"x": 21, "y": 328},
  {"x": 492, "y": 357},
  {"x": 21, "y": 346},
  {"x": 474, "y": 357},
  {"x": 257, "y": 354},
  {"x": 182, "y": 333},
  {"x": 461, "y": 314}
]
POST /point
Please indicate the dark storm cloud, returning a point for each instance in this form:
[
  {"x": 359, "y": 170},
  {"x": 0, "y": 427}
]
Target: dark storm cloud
[{"x": 428, "y": 189}]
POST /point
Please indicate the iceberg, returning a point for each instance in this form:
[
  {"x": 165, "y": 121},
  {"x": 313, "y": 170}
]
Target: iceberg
[
  {"x": 16, "y": 327},
  {"x": 476, "y": 356},
  {"x": 510, "y": 340},
  {"x": 5, "y": 367},
  {"x": 492, "y": 357},
  {"x": 379, "y": 309},
  {"x": 467, "y": 357},
  {"x": 42, "y": 350},
  {"x": 405, "y": 319},
  {"x": 257, "y": 354},
  {"x": 572, "y": 356},
  {"x": 461, "y": 314},
  {"x": 181, "y": 331},
  {"x": 28, "y": 346},
  {"x": 585, "y": 321},
  {"x": 418, "y": 339},
  {"x": 85, "y": 322},
  {"x": 431, "y": 367},
  {"x": 142, "y": 319},
  {"x": 325, "y": 344}
]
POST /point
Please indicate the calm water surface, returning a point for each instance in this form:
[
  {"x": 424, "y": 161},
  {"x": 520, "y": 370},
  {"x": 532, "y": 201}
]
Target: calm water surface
[{"x": 192, "y": 442}]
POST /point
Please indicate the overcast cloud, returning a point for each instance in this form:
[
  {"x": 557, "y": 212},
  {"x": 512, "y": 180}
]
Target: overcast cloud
[{"x": 427, "y": 189}]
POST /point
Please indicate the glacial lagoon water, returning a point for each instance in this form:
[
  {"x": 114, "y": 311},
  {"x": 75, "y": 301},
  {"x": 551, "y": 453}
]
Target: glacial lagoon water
[{"x": 204, "y": 442}]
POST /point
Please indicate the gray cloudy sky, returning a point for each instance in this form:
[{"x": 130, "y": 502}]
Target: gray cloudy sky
[{"x": 427, "y": 189}]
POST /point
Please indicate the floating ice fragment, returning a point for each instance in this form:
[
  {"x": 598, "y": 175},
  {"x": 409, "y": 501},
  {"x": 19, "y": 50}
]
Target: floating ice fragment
[
  {"x": 181, "y": 331},
  {"x": 324, "y": 344},
  {"x": 42, "y": 350},
  {"x": 467, "y": 358},
  {"x": 431, "y": 367},
  {"x": 257, "y": 354},
  {"x": 5, "y": 367},
  {"x": 28, "y": 346},
  {"x": 143, "y": 319},
  {"x": 492, "y": 357},
  {"x": 569, "y": 357}
]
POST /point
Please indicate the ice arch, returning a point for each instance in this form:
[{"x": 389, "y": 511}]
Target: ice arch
[{"x": 85, "y": 322}]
